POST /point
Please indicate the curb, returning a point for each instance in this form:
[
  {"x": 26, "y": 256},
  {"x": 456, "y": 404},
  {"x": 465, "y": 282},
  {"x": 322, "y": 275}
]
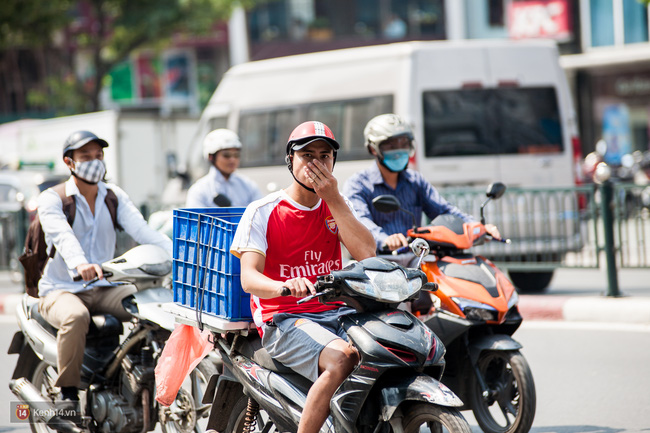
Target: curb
[
  {"x": 540, "y": 307},
  {"x": 586, "y": 308},
  {"x": 9, "y": 302},
  {"x": 531, "y": 307},
  {"x": 617, "y": 310}
]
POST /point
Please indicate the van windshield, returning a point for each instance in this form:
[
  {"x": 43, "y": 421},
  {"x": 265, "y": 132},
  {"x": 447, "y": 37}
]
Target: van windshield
[
  {"x": 492, "y": 122},
  {"x": 264, "y": 132}
]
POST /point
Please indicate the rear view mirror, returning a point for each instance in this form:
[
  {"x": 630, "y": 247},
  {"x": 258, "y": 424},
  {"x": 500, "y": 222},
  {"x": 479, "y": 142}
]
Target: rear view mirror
[
  {"x": 386, "y": 203},
  {"x": 495, "y": 190}
]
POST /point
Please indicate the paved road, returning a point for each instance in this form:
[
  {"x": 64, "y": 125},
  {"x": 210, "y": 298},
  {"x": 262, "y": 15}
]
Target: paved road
[
  {"x": 590, "y": 378},
  {"x": 7, "y": 329}
]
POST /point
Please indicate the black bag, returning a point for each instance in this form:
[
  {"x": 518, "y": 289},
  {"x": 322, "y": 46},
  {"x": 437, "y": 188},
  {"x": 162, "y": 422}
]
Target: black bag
[{"x": 35, "y": 256}]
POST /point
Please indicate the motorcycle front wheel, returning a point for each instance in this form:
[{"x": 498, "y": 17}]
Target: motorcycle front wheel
[
  {"x": 510, "y": 404},
  {"x": 187, "y": 414},
  {"x": 43, "y": 376},
  {"x": 427, "y": 418}
]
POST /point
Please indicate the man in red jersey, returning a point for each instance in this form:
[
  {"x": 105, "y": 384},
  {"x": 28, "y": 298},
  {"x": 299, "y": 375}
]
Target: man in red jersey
[{"x": 289, "y": 238}]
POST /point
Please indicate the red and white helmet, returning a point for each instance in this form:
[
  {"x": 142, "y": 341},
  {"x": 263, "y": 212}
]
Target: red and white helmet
[{"x": 308, "y": 132}]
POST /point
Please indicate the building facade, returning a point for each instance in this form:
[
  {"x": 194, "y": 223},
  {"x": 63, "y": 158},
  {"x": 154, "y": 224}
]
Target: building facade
[{"x": 604, "y": 45}]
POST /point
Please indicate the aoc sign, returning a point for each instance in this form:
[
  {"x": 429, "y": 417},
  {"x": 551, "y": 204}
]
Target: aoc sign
[{"x": 540, "y": 19}]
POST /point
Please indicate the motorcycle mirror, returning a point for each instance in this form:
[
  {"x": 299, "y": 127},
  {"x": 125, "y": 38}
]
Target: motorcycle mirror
[
  {"x": 495, "y": 190},
  {"x": 389, "y": 203},
  {"x": 386, "y": 203},
  {"x": 420, "y": 247}
]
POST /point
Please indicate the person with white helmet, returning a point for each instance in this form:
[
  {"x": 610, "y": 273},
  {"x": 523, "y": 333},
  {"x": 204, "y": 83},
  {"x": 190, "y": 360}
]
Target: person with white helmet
[
  {"x": 286, "y": 240},
  {"x": 389, "y": 139},
  {"x": 222, "y": 186}
]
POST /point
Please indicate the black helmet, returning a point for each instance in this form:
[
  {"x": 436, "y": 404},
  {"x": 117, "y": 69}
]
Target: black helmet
[{"x": 80, "y": 138}]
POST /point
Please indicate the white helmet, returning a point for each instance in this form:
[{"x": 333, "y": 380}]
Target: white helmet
[
  {"x": 381, "y": 128},
  {"x": 220, "y": 139}
]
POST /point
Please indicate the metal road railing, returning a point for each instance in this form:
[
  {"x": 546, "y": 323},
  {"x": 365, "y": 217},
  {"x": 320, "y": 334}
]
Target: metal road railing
[
  {"x": 561, "y": 227},
  {"x": 12, "y": 237},
  {"x": 548, "y": 227},
  {"x": 632, "y": 225}
]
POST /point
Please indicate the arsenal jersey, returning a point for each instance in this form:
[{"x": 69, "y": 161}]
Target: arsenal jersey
[{"x": 297, "y": 241}]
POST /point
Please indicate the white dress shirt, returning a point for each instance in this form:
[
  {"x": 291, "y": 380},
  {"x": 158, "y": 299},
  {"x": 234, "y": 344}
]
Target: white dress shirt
[
  {"x": 240, "y": 190},
  {"x": 91, "y": 239}
]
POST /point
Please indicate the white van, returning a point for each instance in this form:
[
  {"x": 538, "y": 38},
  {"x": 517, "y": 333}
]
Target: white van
[{"x": 482, "y": 111}]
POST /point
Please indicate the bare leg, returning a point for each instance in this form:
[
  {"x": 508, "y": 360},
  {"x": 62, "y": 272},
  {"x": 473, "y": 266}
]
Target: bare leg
[{"x": 335, "y": 363}]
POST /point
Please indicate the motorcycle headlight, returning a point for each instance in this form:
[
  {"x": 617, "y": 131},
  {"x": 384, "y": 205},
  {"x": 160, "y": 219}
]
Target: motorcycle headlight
[
  {"x": 386, "y": 286},
  {"x": 514, "y": 299},
  {"x": 476, "y": 310}
]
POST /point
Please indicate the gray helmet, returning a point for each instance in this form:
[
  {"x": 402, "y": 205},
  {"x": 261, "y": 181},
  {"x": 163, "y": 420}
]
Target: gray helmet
[
  {"x": 381, "y": 128},
  {"x": 80, "y": 138}
]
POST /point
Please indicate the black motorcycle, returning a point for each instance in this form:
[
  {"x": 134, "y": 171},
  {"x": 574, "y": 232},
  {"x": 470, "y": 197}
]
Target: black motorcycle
[
  {"x": 394, "y": 388},
  {"x": 118, "y": 385}
]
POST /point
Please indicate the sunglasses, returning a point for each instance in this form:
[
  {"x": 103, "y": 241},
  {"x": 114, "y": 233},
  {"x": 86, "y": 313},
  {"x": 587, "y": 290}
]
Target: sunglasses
[{"x": 229, "y": 155}]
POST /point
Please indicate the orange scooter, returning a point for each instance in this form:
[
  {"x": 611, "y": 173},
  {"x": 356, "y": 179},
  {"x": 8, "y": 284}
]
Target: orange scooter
[{"x": 474, "y": 312}]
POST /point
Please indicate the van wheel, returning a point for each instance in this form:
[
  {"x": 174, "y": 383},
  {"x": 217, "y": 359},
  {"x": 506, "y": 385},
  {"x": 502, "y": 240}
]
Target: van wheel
[{"x": 531, "y": 282}]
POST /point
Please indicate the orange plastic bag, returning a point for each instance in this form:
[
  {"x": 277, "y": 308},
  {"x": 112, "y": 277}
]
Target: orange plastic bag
[{"x": 185, "y": 348}]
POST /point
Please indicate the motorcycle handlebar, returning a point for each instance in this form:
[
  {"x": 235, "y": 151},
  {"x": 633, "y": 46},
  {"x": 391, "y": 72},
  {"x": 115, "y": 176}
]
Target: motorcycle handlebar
[
  {"x": 315, "y": 295},
  {"x": 322, "y": 288},
  {"x": 78, "y": 278},
  {"x": 400, "y": 250}
]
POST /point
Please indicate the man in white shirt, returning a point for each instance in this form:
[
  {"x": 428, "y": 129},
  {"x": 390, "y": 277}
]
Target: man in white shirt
[
  {"x": 80, "y": 250},
  {"x": 222, "y": 186}
]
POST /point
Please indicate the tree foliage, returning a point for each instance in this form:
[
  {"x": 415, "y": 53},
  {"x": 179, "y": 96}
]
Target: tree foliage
[{"x": 114, "y": 30}]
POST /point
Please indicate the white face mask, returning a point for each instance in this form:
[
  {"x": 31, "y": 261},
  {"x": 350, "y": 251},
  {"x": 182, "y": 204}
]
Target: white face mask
[{"x": 90, "y": 171}]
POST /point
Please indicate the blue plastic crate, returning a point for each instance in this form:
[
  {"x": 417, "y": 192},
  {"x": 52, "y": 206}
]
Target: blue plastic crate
[{"x": 206, "y": 276}]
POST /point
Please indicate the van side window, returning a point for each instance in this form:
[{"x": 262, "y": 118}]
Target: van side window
[
  {"x": 264, "y": 135},
  {"x": 348, "y": 119},
  {"x": 264, "y": 132},
  {"x": 507, "y": 120}
]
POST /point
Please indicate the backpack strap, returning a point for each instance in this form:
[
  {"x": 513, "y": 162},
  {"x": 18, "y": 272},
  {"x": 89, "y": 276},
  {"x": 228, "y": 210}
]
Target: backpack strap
[
  {"x": 69, "y": 208},
  {"x": 111, "y": 203}
]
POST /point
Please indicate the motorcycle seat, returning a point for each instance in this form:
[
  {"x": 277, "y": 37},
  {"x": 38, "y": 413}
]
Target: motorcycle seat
[
  {"x": 252, "y": 349},
  {"x": 101, "y": 325}
]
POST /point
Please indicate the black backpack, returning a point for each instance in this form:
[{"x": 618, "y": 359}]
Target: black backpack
[{"x": 35, "y": 256}]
